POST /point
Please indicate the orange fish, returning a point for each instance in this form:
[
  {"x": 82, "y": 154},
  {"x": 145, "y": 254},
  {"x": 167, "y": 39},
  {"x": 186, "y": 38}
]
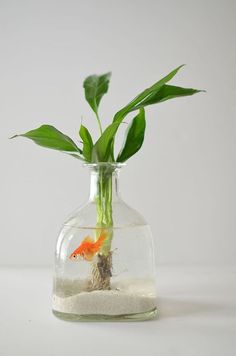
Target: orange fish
[{"x": 88, "y": 248}]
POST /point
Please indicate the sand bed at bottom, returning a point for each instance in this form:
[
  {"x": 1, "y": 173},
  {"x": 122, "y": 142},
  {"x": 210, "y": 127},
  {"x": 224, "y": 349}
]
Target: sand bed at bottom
[{"x": 130, "y": 298}]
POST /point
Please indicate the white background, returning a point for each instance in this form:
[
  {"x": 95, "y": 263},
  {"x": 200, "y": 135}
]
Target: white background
[{"x": 183, "y": 180}]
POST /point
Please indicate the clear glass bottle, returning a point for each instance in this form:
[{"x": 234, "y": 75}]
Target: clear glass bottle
[{"x": 104, "y": 263}]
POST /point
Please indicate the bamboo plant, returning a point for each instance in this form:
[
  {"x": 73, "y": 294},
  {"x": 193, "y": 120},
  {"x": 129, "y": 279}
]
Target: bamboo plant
[{"x": 102, "y": 150}]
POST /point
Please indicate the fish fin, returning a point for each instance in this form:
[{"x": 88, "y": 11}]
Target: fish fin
[
  {"x": 98, "y": 244},
  {"x": 102, "y": 237},
  {"x": 88, "y": 256},
  {"x": 87, "y": 239}
]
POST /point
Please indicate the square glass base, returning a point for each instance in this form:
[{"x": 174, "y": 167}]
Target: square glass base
[{"x": 99, "y": 317}]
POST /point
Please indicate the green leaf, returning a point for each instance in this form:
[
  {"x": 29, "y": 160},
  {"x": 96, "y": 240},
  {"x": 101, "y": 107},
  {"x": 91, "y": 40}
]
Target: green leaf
[
  {"x": 48, "y": 136},
  {"x": 87, "y": 143},
  {"x": 102, "y": 149},
  {"x": 166, "y": 92},
  {"x": 107, "y": 148},
  {"x": 156, "y": 93},
  {"x": 119, "y": 116},
  {"x": 95, "y": 87},
  {"x": 134, "y": 137}
]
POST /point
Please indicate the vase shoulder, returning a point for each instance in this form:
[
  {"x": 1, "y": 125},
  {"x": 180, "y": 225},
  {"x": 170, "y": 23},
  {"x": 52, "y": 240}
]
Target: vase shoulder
[{"x": 123, "y": 216}]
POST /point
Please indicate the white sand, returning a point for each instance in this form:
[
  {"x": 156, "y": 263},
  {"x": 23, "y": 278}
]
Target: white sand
[{"x": 128, "y": 297}]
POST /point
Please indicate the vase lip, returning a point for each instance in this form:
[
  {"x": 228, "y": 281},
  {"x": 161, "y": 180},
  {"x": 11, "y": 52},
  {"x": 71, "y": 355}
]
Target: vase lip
[{"x": 104, "y": 164}]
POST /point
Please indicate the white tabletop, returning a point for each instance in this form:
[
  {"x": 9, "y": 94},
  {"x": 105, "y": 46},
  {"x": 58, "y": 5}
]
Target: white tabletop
[{"x": 197, "y": 316}]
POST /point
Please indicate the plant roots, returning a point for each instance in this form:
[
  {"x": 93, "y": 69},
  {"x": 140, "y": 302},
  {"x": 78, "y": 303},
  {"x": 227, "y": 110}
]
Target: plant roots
[{"x": 101, "y": 273}]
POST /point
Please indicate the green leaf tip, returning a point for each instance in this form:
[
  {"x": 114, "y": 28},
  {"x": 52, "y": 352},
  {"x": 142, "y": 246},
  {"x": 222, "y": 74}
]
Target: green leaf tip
[
  {"x": 95, "y": 86},
  {"x": 48, "y": 136}
]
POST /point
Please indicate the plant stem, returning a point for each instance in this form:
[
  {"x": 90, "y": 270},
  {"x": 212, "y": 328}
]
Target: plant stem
[
  {"x": 104, "y": 205},
  {"x": 99, "y": 122},
  {"x": 101, "y": 271}
]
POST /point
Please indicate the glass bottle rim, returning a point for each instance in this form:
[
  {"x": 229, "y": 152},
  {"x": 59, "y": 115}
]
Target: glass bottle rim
[{"x": 104, "y": 164}]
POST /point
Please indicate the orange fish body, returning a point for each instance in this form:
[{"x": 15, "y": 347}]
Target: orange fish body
[{"x": 88, "y": 248}]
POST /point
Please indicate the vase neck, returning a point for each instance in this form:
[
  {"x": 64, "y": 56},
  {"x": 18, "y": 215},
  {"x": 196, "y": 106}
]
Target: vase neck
[{"x": 104, "y": 183}]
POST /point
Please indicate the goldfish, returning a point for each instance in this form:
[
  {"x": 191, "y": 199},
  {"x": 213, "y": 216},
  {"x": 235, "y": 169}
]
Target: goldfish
[{"x": 88, "y": 248}]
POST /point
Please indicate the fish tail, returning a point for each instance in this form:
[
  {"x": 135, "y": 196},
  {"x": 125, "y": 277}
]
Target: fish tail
[{"x": 100, "y": 240}]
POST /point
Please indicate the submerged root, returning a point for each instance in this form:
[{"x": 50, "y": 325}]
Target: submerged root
[{"x": 101, "y": 273}]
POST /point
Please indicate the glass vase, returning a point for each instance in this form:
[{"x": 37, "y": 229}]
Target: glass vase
[{"x": 104, "y": 261}]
